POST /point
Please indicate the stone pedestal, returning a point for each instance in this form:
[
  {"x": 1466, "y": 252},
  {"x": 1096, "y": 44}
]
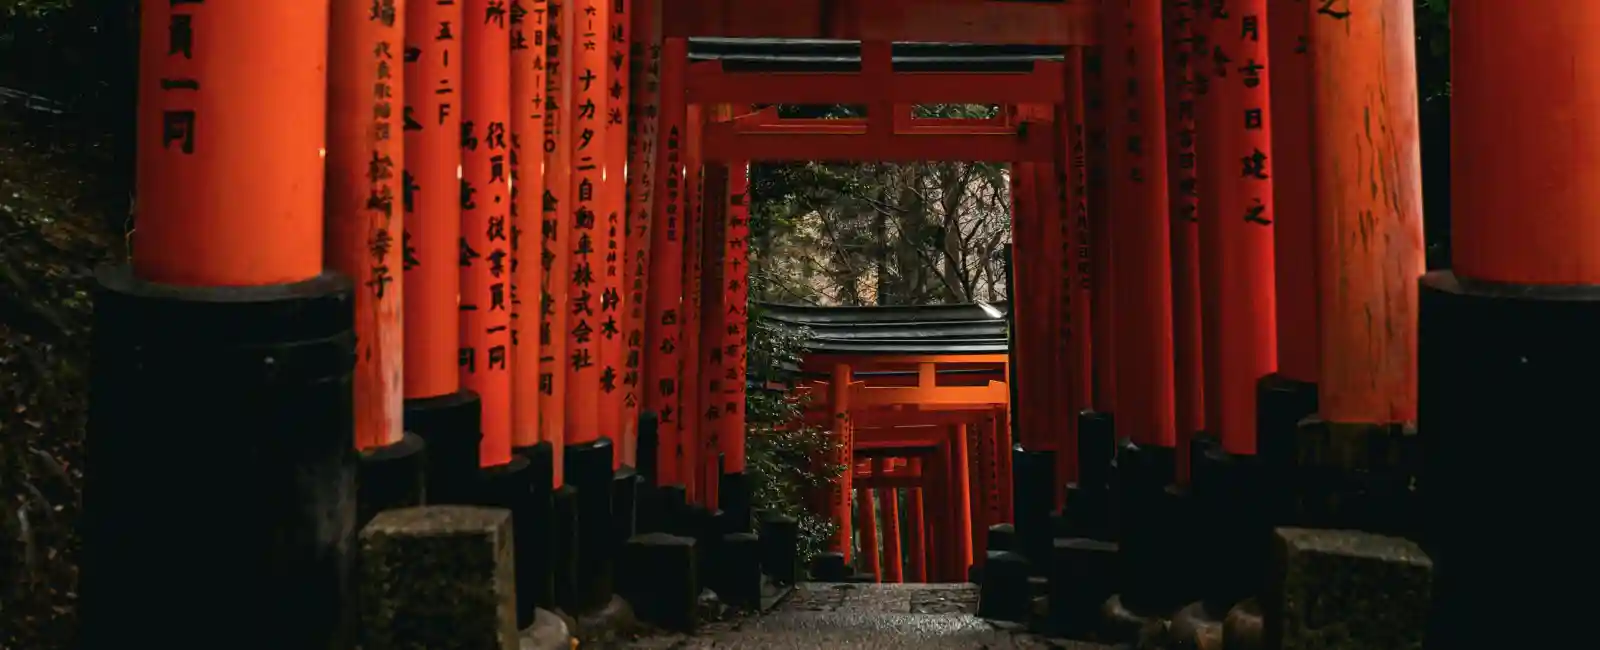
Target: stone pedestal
[
  {"x": 780, "y": 547},
  {"x": 1005, "y": 594},
  {"x": 438, "y": 577},
  {"x": 664, "y": 588},
  {"x": 1083, "y": 575},
  {"x": 1346, "y": 590}
]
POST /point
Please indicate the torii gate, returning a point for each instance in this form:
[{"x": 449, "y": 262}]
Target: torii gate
[{"x": 925, "y": 383}]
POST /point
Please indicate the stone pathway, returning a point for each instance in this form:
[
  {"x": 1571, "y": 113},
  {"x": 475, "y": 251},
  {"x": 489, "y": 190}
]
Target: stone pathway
[{"x": 822, "y": 616}]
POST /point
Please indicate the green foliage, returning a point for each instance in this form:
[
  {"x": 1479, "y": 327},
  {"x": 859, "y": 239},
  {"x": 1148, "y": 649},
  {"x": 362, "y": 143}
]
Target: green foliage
[{"x": 788, "y": 462}]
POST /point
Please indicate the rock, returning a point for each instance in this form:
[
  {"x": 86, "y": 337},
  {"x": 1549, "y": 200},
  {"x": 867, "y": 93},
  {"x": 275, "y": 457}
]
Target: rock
[
  {"x": 438, "y": 577},
  {"x": 1343, "y": 590}
]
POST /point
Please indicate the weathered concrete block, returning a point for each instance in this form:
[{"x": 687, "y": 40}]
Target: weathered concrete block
[
  {"x": 1005, "y": 594},
  {"x": 438, "y": 577},
  {"x": 1343, "y": 590},
  {"x": 1083, "y": 574},
  {"x": 665, "y": 588}
]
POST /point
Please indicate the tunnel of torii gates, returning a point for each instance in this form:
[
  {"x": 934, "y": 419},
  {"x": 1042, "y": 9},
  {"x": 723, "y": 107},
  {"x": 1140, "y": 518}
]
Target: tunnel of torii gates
[{"x": 514, "y": 233}]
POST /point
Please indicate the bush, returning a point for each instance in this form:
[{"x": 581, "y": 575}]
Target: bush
[{"x": 789, "y": 463}]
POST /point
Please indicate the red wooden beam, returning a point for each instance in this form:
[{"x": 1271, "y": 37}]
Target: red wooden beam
[
  {"x": 709, "y": 84},
  {"x": 725, "y": 142},
  {"x": 1071, "y": 22}
]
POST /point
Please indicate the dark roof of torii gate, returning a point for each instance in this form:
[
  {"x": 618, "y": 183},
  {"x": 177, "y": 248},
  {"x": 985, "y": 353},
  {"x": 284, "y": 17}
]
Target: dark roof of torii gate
[
  {"x": 921, "y": 330},
  {"x": 815, "y": 55}
]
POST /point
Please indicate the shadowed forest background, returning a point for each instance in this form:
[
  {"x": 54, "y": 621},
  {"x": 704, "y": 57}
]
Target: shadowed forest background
[{"x": 821, "y": 234}]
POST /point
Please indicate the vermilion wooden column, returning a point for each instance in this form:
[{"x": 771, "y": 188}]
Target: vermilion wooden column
[
  {"x": 960, "y": 503},
  {"x": 1235, "y": 149},
  {"x": 613, "y": 236},
  {"x": 589, "y": 75},
  {"x": 1055, "y": 392},
  {"x": 916, "y": 528},
  {"x": 365, "y": 161},
  {"x": 893, "y": 560},
  {"x": 839, "y": 407},
  {"x": 642, "y": 172},
  {"x": 1097, "y": 152},
  {"x": 988, "y": 484},
  {"x": 736, "y": 293},
  {"x": 1184, "y": 225},
  {"x": 663, "y": 381},
  {"x": 555, "y": 231},
  {"x": 1293, "y": 196},
  {"x": 941, "y": 528},
  {"x": 431, "y": 243},
  {"x": 694, "y": 211},
  {"x": 485, "y": 305},
  {"x": 1076, "y": 349},
  {"x": 1369, "y": 218},
  {"x": 1029, "y": 308},
  {"x": 867, "y": 520},
  {"x": 1507, "y": 334},
  {"x": 977, "y": 511},
  {"x": 713, "y": 319},
  {"x": 1140, "y": 239},
  {"x": 528, "y": 86},
  {"x": 1002, "y": 454}
]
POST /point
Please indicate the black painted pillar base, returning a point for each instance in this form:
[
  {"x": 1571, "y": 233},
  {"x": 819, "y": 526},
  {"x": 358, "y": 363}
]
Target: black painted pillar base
[
  {"x": 452, "y": 427},
  {"x": 1281, "y": 404},
  {"x": 647, "y": 449},
  {"x": 829, "y": 567},
  {"x": 391, "y": 477},
  {"x": 624, "y": 504},
  {"x": 1033, "y": 486},
  {"x": 1097, "y": 449},
  {"x": 733, "y": 497},
  {"x": 1151, "y": 530},
  {"x": 1232, "y": 520},
  {"x": 535, "y": 533},
  {"x": 780, "y": 547},
  {"x": 1508, "y": 388},
  {"x": 588, "y": 468},
  {"x": 564, "y": 548},
  {"x": 221, "y": 465},
  {"x": 510, "y": 486}
]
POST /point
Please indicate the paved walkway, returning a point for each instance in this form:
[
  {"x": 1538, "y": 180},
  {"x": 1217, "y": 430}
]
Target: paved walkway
[{"x": 823, "y": 616}]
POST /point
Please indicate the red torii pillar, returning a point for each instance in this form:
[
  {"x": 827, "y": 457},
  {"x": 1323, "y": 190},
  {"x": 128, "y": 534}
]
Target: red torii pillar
[
  {"x": 1142, "y": 301},
  {"x": 666, "y": 310},
  {"x": 1235, "y": 147},
  {"x": 554, "y": 232},
  {"x": 1290, "y": 394},
  {"x": 916, "y": 546},
  {"x": 643, "y": 122},
  {"x": 612, "y": 241},
  {"x": 1507, "y": 335},
  {"x": 889, "y": 499},
  {"x": 437, "y": 407},
  {"x": 589, "y": 76},
  {"x": 960, "y": 503},
  {"x": 365, "y": 163},
  {"x": 867, "y": 523},
  {"x": 528, "y": 86},
  {"x": 839, "y": 405},
  {"x": 691, "y": 426},
  {"x": 1182, "y": 57},
  {"x": 227, "y": 276},
  {"x": 485, "y": 302}
]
